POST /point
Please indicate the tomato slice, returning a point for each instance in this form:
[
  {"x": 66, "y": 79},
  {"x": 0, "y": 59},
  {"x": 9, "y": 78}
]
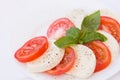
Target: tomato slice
[
  {"x": 32, "y": 49},
  {"x": 111, "y": 26},
  {"x": 66, "y": 64},
  {"x": 58, "y": 28},
  {"x": 102, "y": 54}
]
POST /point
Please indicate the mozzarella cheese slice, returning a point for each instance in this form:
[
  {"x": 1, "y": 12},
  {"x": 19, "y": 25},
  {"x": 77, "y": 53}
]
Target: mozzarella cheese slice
[
  {"x": 77, "y": 16},
  {"x": 85, "y": 62},
  {"x": 48, "y": 60},
  {"x": 112, "y": 44}
]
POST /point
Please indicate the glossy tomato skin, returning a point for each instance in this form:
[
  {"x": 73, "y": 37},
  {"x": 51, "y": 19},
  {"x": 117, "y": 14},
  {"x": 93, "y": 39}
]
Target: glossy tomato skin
[
  {"x": 66, "y": 64},
  {"x": 102, "y": 54},
  {"x": 58, "y": 28},
  {"x": 32, "y": 49},
  {"x": 111, "y": 26}
]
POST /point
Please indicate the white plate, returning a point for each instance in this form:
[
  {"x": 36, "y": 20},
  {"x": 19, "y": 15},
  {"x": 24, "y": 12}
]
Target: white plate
[{"x": 41, "y": 12}]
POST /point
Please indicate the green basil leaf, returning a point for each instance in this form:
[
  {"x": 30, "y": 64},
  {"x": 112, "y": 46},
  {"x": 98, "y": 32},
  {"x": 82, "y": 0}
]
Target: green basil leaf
[
  {"x": 88, "y": 36},
  {"x": 65, "y": 41},
  {"x": 72, "y": 37},
  {"x": 91, "y": 22},
  {"x": 73, "y": 33}
]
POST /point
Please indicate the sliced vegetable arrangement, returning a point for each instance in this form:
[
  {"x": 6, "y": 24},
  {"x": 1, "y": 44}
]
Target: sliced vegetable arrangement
[
  {"x": 32, "y": 49},
  {"x": 111, "y": 26},
  {"x": 102, "y": 54},
  {"x": 59, "y": 27},
  {"x": 75, "y": 50}
]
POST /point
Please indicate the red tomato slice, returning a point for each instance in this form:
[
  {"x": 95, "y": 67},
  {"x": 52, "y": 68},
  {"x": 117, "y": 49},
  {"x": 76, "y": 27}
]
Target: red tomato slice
[
  {"x": 102, "y": 54},
  {"x": 58, "y": 28},
  {"x": 66, "y": 64},
  {"x": 111, "y": 26},
  {"x": 32, "y": 49}
]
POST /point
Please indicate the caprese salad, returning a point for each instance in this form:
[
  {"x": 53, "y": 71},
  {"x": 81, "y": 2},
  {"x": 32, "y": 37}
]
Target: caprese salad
[{"x": 73, "y": 46}]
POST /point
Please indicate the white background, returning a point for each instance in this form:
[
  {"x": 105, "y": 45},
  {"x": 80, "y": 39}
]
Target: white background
[{"x": 18, "y": 19}]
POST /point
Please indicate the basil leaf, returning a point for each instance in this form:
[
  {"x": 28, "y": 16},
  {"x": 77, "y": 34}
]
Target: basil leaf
[
  {"x": 88, "y": 36},
  {"x": 65, "y": 41},
  {"x": 73, "y": 33},
  {"x": 72, "y": 37},
  {"x": 91, "y": 22}
]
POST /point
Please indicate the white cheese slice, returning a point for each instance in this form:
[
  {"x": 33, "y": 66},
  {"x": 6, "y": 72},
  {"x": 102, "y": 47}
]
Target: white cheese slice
[
  {"x": 85, "y": 62},
  {"x": 76, "y": 16},
  {"x": 112, "y": 44}
]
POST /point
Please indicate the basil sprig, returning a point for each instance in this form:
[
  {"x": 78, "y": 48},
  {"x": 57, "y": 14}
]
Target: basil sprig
[{"x": 87, "y": 33}]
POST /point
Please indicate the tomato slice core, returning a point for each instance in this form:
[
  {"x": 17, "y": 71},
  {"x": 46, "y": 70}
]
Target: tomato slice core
[
  {"x": 58, "y": 28},
  {"x": 111, "y": 26},
  {"x": 102, "y": 54},
  {"x": 32, "y": 49},
  {"x": 66, "y": 64}
]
